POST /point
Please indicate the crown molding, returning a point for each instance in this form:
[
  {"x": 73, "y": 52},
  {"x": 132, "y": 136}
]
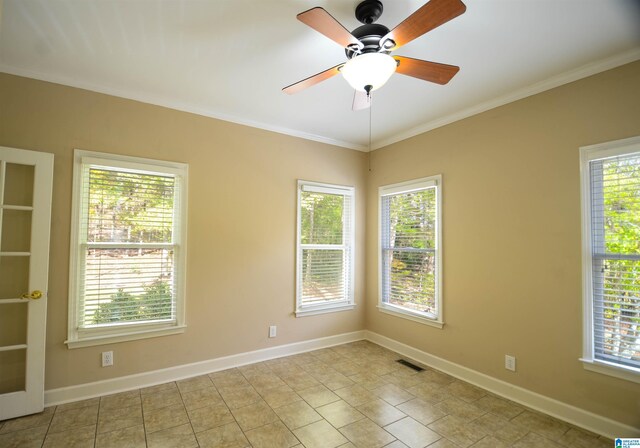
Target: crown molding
[
  {"x": 533, "y": 89},
  {"x": 576, "y": 74},
  {"x": 178, "y": 105}
]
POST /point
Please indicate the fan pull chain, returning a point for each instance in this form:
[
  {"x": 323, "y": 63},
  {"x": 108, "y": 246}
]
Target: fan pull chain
[{"x": 369, "y": 96}]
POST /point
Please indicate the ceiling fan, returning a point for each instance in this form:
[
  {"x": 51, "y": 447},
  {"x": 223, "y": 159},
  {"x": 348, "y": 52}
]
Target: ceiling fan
[{"x": 368, "y": 47}]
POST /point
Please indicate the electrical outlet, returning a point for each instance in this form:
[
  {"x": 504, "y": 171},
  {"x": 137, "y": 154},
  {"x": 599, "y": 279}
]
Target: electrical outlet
[
  {"x": 272, "y": 331},
  {"x": 510, "y": 362},
  {"x": 107, "y": 359}
]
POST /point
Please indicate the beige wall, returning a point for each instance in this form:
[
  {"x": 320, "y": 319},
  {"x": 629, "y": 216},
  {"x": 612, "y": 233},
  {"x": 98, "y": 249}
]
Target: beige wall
[
  {"x": 511, "y": 237},
  {"x": 511, "y": 219},
  {"x": 241, "y": 235}
]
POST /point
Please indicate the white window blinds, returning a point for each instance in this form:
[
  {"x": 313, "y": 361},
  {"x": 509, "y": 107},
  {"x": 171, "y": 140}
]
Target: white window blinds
[
  {"x": 127, "y": 249},
  {"x": 615, "y": 246},
  {"x": 410, "y": 247},
  {"x": 127, "y": 228},
  {"x": 325, "y": 245}
]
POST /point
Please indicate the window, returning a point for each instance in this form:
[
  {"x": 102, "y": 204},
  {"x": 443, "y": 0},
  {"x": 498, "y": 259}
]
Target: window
[
  {"x": 325, "y": 248},
  {"x": 410, "y": 250},
  {"x": 611, "y": 261},
  {"x": 128, "y": 248}
]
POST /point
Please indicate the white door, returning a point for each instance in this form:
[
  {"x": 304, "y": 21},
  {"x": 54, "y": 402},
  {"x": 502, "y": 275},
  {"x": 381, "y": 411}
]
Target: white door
[{"x": 25, "y": 216}]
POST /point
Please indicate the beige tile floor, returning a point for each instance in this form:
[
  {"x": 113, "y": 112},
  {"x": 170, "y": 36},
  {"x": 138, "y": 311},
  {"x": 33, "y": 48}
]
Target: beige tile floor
[{"x": 352, "y": 395}]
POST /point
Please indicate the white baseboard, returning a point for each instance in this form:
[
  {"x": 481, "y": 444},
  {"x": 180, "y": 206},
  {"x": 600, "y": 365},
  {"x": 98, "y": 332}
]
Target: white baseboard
[
  {"x": 571, "y": 414},
  {"x": 129, "y": 382}
]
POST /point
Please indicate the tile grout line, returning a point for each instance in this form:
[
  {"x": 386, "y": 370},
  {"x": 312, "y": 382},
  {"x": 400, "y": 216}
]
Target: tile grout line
[
  {"x": 95, "y": 434},
  {"x": 55, "y": 409},
  {"x": 144, "y": 425},
  {"x": 187, "y": 411}
]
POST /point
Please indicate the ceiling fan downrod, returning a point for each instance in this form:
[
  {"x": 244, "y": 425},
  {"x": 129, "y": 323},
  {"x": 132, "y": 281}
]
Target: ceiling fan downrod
[{"x": 369, "y": 11}]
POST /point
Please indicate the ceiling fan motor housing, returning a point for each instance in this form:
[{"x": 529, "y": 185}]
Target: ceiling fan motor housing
[{"x": 370, "y": 36}]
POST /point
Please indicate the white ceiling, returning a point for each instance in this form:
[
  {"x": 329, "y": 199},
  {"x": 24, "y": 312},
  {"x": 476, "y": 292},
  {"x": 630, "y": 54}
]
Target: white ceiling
[{"x": 229, "y": 59}]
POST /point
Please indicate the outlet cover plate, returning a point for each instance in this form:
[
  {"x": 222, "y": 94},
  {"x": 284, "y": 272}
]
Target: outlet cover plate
[
  {"x": 107, "y": 359},
  {"x": 510, "y": 362}
]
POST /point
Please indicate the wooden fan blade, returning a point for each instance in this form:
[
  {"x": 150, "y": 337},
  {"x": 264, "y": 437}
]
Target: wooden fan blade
[
  {"x": 312, "y": 80},
  {"x": 431, "y": 15},
  {"x": 426, "y": 70},
  {"x": 361, "y": 101},
  {"x": 324, "y": 23}
]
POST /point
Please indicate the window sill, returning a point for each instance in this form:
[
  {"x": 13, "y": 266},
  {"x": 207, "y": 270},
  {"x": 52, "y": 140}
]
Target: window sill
[
  {"x": 398, "y": 312},
  {"x": 324, "y": 309},
  {"x": 89, "y": 341},
  {"x": 605, "y": 368}
]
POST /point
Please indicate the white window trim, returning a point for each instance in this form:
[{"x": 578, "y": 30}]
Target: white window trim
[
  {"x": 588, "y": 154},
  {"x": 348, "y": 303},
  {"x": 406, "y": 187},
  {"x": 129, "y": 331}
]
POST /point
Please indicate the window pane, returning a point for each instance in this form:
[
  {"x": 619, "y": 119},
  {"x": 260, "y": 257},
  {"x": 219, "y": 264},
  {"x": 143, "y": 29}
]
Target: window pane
[
  {"x": 18, "y": 186},
  {"x": 321, "y": 218},
  {"x": 412, "y": 282},
  {"x": 129, "y": 207},
  {"x": 412, "y": 219},
  {"x": 615, "y": 210},
  {"x": 617, "y": 313},
  {"x": 13, "y": 370},
  {"x": 16, "y": 231},
  {"x": 127, "y": 285},
  {"x": 323, "y": 275},
  {"x": 621, "y": 187},
  {"x": 409, "y": 243}
]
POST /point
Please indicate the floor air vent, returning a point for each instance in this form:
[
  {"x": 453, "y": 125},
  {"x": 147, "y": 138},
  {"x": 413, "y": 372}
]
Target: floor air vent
[{"x": 410, "y": 365}]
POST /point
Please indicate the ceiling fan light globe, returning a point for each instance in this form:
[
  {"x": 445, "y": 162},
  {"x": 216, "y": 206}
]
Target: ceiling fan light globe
[{"x": 369, "y": 69}]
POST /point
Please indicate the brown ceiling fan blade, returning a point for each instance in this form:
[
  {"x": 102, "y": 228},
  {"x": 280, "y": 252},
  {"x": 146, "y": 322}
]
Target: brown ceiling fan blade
[
  {"x": 361, "y": 100},
  {"x": 426, "y": 70},
  {"x": 312, "y": 80},
  {"x": 431, "y": 15},
  {"x": 324, "y": 23}
]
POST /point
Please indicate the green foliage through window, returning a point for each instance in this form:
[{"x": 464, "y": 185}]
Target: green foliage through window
[
  {"x": 129, "y": 255},
  {"x": 154, "y": 304},
  {"x": 409, "y": 243},
  {"x": 616, "y": 227},
  {"x": 324, "y": 220},
  {"x": 129, "y": 207}
]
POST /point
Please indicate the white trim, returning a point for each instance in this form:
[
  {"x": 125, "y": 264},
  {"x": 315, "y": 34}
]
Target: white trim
[
  {"x": 104, "y": 339},
  {"x": 317, "y": 187},
  {"x": 571, "y": 414},
  {"x": 566, "y": 412},
  {"x": 405, "y": 314},
  {"x": 584, "y": 71},
  {"x": 145, "y": 379},
  {"x": 98, "y": 336},
  {"x": 410, "y": 185},
  {"x": 407, "y": 187},
  {"x": 587, "y": 280},
  {"x": 310, "y": 311},
  {"x": 158, "y": 100},
  {"x": 576, "y": 74},
  {"x": 609, "y": 149},
  {"x": 624, "y": 373},
  {"x": 133, "y": 164}
]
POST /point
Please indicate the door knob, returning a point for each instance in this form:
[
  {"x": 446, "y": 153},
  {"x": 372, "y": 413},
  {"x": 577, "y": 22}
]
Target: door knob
[{"x": 35, "y": 295}]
